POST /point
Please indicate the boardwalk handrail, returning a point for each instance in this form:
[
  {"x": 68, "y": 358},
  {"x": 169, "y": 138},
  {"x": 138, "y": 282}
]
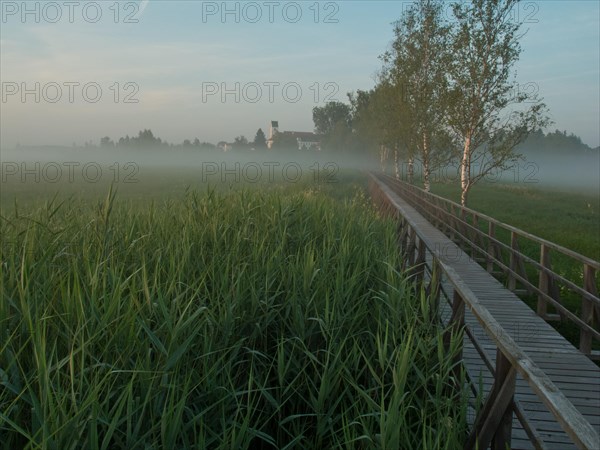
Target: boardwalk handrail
[
  {"x": 495, "y": 423},
  {"x": 511, "y": 261},
  {"x": 552, "y": 245}
]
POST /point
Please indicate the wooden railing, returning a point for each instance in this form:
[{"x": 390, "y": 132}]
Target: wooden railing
[
  {"x": 493, "y": 425},
  {"x": 479, "y": 234}
]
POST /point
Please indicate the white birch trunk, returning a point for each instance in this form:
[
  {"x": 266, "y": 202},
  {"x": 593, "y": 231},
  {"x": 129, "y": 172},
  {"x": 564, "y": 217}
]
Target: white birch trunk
[
  {"x": 382, "y": 157},
  {"x": 465, "y": 170},
  {"x": 426, "y": 166}
]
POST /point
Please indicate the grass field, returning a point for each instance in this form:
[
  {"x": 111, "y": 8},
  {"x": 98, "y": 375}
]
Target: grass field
[
  {"x": 568, "y": 218},
  {"x": 216, "y": 319}
]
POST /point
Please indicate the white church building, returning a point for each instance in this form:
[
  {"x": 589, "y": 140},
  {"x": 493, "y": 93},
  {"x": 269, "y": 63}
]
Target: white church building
[{"x": 306, "y": 140}]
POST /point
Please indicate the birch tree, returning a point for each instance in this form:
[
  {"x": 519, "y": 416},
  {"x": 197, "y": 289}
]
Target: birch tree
[
  {"x": 487, "y": 112},
  {"x": 375, "y": 117},
  {"x": 418, "y": 68},
  {"x": 391, "y": 124}
]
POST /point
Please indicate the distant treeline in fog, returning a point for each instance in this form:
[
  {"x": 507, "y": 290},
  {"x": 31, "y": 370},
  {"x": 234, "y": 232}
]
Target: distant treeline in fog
[
  {"x": 560, "y": 159},
  {"x": 557, "y": 142},
  {"x": 146, "y": 140}
]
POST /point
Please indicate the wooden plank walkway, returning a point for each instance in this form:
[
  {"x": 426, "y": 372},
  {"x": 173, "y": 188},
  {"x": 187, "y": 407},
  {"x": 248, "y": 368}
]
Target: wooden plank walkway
[{"x": 573, "y": 373}]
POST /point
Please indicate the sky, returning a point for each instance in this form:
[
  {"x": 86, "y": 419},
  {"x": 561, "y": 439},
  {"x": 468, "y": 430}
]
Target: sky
[{"x": 73, "y": 72}]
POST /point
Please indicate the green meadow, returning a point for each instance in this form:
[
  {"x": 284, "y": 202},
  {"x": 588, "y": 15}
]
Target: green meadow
[{"x": 567, "y": 217}]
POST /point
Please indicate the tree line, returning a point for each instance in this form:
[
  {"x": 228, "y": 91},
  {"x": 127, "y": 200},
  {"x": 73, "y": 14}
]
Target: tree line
[
  {"x": 446, "y": 91},
  {"x": 147, "y": 140}
]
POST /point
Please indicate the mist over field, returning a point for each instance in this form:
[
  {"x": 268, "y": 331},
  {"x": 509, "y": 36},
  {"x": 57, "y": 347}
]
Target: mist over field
[
  {"x": 149, "y": 173},
  {"x": 569, "y": 169}
]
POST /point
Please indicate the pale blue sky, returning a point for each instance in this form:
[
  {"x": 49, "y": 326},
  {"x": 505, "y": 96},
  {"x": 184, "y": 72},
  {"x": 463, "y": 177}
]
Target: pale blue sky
[{"x": 173, "y": 52}]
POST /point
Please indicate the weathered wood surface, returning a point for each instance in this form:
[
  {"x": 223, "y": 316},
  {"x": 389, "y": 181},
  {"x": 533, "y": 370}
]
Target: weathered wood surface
[
  {"x": 504, "y": 259},
  {"x": 557, "y": 388}
]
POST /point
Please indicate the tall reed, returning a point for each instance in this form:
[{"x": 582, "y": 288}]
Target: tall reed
[{"x": 217, "y": 320}]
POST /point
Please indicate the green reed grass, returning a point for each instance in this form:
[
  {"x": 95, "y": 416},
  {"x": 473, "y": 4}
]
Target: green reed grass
[{"x": 217, "y": 320}]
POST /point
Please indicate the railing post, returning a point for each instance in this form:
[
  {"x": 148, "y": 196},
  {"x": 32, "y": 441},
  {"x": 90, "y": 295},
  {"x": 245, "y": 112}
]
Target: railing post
[
  {"x": 588, "y": 309},
  {"x": 419, "y": 264},
  {"x": 442, "y": 213},
  {"x": 464, "y": 229},
  {"x": 506, "y": 373},
  {"x": 433, "y": 289},
  {"x": 458, "y": 217},
  {"x": 512, "y": 281},
  {"x": 491, "y": 246},
  {"x": 452, "y": 222},
  {"x": 438, "y": 214},
  {"x": 455, "y": 325},
  {"x": 544, "y": 281},
  {"x": 474, "y": 236},
  {"x": 457, "y": 318},
  {"x": 493, "y": 425},
  {"x": 410, "y": 249},
  {"x": 516, "y": 263},
  {"x": 401, "y": 233},
  {"x": 547, "y": 286}
]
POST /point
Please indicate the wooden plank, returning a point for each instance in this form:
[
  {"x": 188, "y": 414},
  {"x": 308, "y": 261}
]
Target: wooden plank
[{"x": 490, "y": 306}]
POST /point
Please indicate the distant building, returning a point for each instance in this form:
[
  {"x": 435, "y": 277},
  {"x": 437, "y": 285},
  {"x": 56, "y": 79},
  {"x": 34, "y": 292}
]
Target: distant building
[
  {"x": 225, "y": 146},
  {"x": 306, "y": 140}
]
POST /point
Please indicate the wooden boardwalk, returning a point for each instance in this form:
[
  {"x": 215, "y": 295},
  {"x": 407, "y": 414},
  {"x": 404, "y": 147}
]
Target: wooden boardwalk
[{"x": 572, "y": 373}]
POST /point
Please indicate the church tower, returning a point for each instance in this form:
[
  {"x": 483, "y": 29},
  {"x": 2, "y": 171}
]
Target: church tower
[{"x": 272, "y": 132}]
